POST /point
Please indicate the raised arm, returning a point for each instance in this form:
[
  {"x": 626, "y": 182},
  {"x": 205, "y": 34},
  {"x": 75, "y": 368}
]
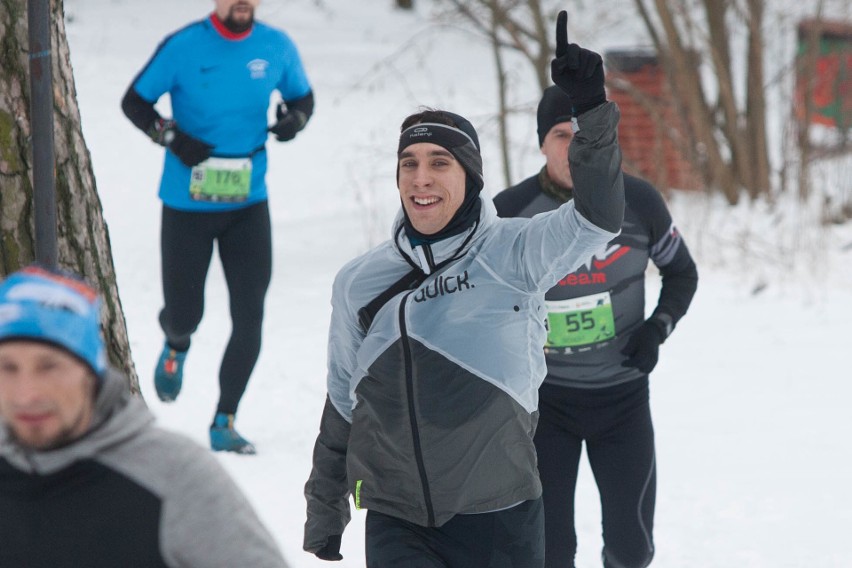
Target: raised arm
[
  {"x": 594, "y": 156},
  {"x": 556, "y": 243}
]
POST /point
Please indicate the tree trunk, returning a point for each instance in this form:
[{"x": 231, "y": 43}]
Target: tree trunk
[
  {"x": 730, "y": 124},
  {"x": 682, "y": 69},
  {"x": 503, "y": 112},
  {"x": 83, "y": 239},
  {"x": 756, "y": 102}
]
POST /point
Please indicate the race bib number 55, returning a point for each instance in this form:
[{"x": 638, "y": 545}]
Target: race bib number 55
[
  {"x": 580, "y": 321},
  {"x": 221, "y": 179}
]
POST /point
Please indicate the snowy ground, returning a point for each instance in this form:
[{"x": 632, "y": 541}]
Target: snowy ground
[{"x": 750, "y": 399}]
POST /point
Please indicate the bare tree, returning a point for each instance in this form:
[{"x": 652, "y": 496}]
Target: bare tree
[
  {"x": 83, "y": 239},
  {"x": 725, "y": 134},
  {"x": 730, "y": 135},
  {"x": 517, "y": 26}
]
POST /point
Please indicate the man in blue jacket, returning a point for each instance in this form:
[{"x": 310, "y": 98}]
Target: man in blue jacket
[
  {"x": 220, "y": 73},
  {"x": 600, "y": 350}
]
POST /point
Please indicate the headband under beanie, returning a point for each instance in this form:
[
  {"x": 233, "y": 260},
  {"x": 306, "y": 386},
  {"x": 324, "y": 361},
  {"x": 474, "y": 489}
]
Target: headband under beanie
[
  {"x": 553, "y": 108},
  {"x": 463, "y": 143}
]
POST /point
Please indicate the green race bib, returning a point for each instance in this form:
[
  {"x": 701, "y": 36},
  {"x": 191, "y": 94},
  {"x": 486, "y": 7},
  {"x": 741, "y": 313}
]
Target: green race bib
[
  {"x": 221, "y": 179},
  {"x": 580, "y": 321}
]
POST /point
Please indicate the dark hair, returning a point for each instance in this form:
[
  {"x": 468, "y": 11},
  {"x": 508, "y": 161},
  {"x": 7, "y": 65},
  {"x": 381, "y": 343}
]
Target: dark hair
[{"x": 428, "y": 115}]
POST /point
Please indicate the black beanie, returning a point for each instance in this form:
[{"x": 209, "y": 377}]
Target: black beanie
[
  {"x": 463, "y": 143},
  {"x": 553, "y": 108}
]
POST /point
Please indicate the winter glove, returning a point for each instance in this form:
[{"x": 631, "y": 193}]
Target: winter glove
[
  {"x": 289, "y": 123},
  {"x": 643, "y": 346},
  {"x": 331, "y": 550},
  {"x": 577, "y": 71},
  {"x": 191, "y": 151}
]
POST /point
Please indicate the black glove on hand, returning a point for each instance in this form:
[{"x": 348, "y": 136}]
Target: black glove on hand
[
  {"x": 577, "y": 71},
  {"x": 331, "y": 550},
  {"x": 191, "y": 151},
  {"x": 643, "y": 346},
  {"x": 289, "y": 123}
]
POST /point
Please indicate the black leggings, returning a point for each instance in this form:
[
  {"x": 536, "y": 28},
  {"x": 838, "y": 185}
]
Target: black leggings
[
  {"x": 511, "y": 538},
  {"x": 245, "y": 249},
  {"x": 615, "y": 423}
]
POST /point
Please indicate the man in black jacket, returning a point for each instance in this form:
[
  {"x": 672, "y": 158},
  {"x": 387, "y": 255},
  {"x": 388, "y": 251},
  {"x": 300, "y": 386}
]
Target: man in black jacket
[
  {"x": 599, "y": 351},
  {"x": 85, "y": 477}
]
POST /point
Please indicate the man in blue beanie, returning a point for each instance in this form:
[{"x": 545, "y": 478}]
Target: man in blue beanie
[{"x": 85, "y": 477}]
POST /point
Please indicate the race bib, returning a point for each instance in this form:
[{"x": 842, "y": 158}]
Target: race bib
[
  {"x": 580, "y": 321},
  {"x": 221, "y": 179}
]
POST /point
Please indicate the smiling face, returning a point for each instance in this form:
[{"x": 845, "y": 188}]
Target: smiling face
[
  {"x": 555, "y": 149},
  {"x": 240, "y": 12},
  {"x": 46, "y": 395},
  {"x": 431, "y": 186}
]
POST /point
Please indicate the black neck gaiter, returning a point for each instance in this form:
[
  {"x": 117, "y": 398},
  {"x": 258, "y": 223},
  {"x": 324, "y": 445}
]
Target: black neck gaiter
[{"x": 466, "y": 216}]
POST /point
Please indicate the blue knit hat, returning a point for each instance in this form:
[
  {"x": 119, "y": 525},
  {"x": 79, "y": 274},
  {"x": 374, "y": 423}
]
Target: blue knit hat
[{"x": 56, "y": 308}]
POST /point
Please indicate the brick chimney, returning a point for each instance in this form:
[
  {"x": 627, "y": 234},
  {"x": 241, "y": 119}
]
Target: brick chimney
[{"x": 650, "y": 132}]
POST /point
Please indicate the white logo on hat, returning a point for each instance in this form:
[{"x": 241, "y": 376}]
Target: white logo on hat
[{"x": 54, "y": 296}]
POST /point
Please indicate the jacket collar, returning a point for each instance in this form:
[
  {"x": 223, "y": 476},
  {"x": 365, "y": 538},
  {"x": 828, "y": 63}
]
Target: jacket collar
[{"x": 426, "y": 256}]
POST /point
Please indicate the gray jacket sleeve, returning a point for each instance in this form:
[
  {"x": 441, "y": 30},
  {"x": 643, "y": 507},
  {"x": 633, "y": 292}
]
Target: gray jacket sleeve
[
  {"x": 595, "y": 161},
  {"x": 207, "y": 521},
  {"x": 327, "y": 491},
  {"x": 555, "y": 243}
]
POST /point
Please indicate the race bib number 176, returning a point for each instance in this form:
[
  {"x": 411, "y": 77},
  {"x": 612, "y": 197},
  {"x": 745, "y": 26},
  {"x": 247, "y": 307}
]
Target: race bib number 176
[{"x": 221, "y": 179}]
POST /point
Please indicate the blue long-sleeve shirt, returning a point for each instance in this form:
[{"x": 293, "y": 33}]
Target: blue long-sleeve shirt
[{"x": 220, "y": 92}]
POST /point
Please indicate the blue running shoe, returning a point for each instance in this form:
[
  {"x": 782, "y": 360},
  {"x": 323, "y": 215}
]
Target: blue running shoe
[
  {"x": 168, "y": 376},
  {"x": 223, "y": 437}
]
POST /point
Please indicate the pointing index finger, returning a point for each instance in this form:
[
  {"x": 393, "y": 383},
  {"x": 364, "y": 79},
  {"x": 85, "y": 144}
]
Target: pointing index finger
[{"x": 562, "y": 33}]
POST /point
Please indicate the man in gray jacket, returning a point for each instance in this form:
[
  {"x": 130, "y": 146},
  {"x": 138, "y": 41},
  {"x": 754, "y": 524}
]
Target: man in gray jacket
[
  {"x": 85, "y": 477},
  {"x": 435, "y": 348}
]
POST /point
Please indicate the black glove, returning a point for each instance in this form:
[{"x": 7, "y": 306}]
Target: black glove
[
  {"x": 331, "y": 550},
  {"x": 643, "y": 346},
  {"x": 191, "y": 151},
  {"x": 577, "y": 71},
  {"x": 289, "y": 123}
]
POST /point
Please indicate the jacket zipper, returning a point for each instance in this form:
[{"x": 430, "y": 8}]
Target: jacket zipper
[{"x": 415, "y": 430}]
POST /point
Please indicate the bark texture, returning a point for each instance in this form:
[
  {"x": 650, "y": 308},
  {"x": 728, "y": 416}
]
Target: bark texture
[{"x": 83, "y": 238}]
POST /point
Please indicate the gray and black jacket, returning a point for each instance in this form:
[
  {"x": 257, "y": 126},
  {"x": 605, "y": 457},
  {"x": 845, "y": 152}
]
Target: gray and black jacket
[
  {"x": 125, "y": 494},
  {"x": 616, "y": 273},
  {"x": 431, "y": 411}
]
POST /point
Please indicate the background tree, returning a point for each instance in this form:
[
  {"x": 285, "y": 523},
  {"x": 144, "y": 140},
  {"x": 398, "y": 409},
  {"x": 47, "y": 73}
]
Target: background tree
[
  {"x": 83, "y": 238},
  {"x": 522, "y": 27},
  {"x": 713, "y": 53},
  {"x": 727, "y": 127}
]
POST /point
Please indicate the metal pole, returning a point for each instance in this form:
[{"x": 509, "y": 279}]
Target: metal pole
[{"x": 41, "y": 110}]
